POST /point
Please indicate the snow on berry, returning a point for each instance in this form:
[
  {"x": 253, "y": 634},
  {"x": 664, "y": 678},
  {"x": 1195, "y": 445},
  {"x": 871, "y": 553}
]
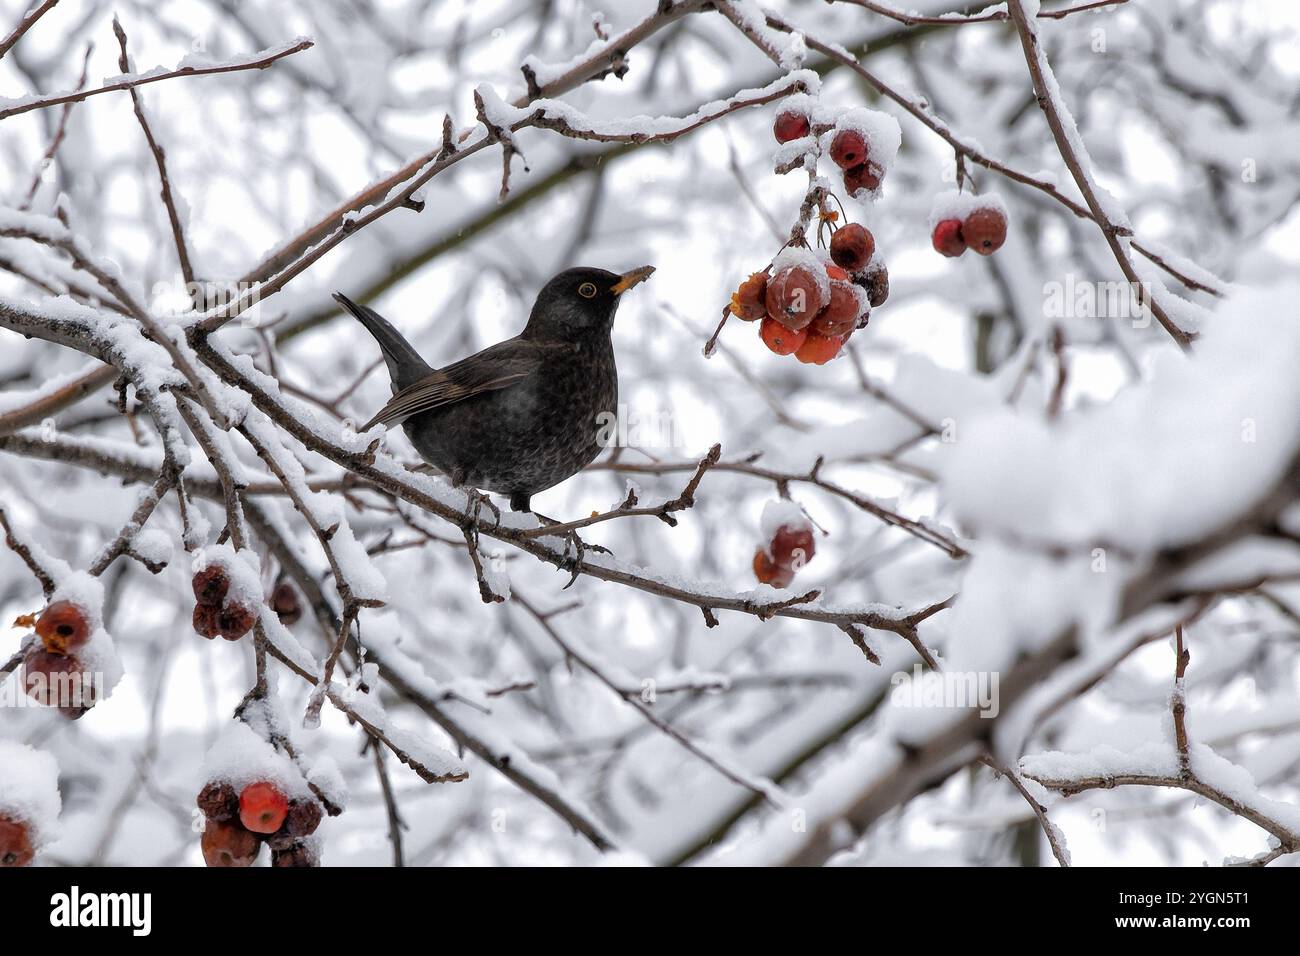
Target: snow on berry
[
  {"x": 954, "y": 204},
  {"x": 240, "y": 757},
  {"x": 792, "y": 257},
  {"x": 243, "y": 572},
  {"x": 782, "y": 513},
  {"x": 29, "y": 791}
]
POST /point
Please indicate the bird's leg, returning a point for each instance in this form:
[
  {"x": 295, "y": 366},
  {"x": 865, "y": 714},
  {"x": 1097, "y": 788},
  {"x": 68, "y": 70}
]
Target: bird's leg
[
  {"x": 474, "y": 502},
  {"x": 519, "y": 501}
]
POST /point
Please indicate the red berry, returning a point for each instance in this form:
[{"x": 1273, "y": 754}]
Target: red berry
[
  {"x": 768, "y": 572},
  {"x": 285, "y": 603},
  {"x": 749, "y": 301},
  {"x": 262, "y": 807},
  {"x": 948, "y": 238},
  {"x": 207, "y": 620},
  {"x": 228, "y": 844},
  {"x": 63, "y": 627},
  {"x": 792, "y": 546},
  {"x": 15, "y": 843},
  {"x": 865, "y": 177},
  {"x": 848, "y": 149},
  {"x": 793, "y": 297},
  {"x": 819, "y": 349},
  {"x": 211, "y": 584},
  {"x": 218, "y": 801},
  {"x": 235, "y": 621},
  {"x": 790, "y": 124},
  {"x": 985, "y": 230},
  {"x": 779, "y": 339},
  {"x": 852, "y": 247},
  {"x": 57, "y": 680},
  {"x": 876, "y": 282},
  {"x": 840, "y": 314}
]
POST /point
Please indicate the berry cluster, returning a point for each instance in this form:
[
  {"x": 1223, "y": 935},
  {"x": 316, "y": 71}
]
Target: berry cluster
[
  {"x": 809, "y": 303},
  {"x": 214, "y": 613},
  {"x": 789, "y": 547},
  {"x": 962, "y": 221},
  {"x": 850, "y": 149},
  {"x": 239, "y": 822},
  {"x": 809, "y": 307},
  {"x": 55, "y": 668},
  {"x": 16, "y": 848}
]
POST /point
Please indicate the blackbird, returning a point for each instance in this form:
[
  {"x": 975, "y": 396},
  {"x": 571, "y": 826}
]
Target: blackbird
[{"x": 524, "y": 414}]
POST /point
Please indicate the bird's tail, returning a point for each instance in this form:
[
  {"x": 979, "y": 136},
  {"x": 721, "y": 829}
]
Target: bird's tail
[{"x": 405, "y": 366}]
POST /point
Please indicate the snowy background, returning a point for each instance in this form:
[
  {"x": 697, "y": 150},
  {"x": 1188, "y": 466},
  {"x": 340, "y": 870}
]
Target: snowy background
[{"x": 1089, "y": 491}]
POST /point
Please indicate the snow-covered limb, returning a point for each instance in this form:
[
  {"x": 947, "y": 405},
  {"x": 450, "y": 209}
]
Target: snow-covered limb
[
  {"x": 1157, "y": 765},
  {"x": 26, "y": 23},
  {"x": 200, "y": 67},
  {"x": 992, "y": 13},
  {"x": 971, "y": 150},
  {"x": 1106, "y": 212}
]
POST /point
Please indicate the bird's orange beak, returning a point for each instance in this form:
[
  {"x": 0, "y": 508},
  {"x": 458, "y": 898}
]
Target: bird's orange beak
[{"x": 629, "y": 279}]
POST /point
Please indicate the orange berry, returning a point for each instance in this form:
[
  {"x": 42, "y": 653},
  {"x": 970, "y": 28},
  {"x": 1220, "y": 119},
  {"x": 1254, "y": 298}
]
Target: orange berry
[
  {"x": 228, "y": 845},
  {"x": 778, "y": 338},
  {"x": 793, "y": 297},
  {"x": 818, "y": 349},
  {"x": 62, "y": 627},
  {"x": 15, "y": 843},
  {"x": 262, "y": 807},
  {"x": 768, "y": 572},
  {"x": 748, "y": 302}
]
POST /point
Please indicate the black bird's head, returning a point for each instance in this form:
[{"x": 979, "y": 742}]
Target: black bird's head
[{"x": 579, "y": 303}]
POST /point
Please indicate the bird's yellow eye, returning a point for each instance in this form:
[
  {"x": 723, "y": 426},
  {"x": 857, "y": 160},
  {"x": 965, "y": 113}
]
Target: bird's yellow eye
[{"x": 587, "y": 290}]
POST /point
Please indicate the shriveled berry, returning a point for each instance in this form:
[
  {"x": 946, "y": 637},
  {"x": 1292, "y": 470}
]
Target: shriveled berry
[
  {"x": 286, "y": 603},
  {"x": 768, "y": 572},
  {"x": 219, "y": 801},
  {"x": 211, "y": 584},
  {"x": 235, "y": 621},
  {"x": 57, "y": 680},
  {"x": 792, "y": 546},
  {"x": 779, "y": 339},
  {"x": 228, "y": 844},
  {"x": 948, "y": 238},
  {"x": 207, "y": 620},
  {"x": 865, "y": 177},
  {"x": 262, "y": 807},
  {"x": 848, "y": 149},
  {"x": 852, "y": 247},
  {"x": 818, "y": 349},
  {"x": 789, "y": 124},
  {"x": 295, "y": 855},
  {"x": 15, "y": 842},
  {"x": 793, "y": 297},
  {"x": 985, "y": 230},
  {"x": 62, "y": 627},
  {"x": 876, "y": 282},
  {"x": 749, "y": 301},
  {"x": 303, "y": 818},
  {"x": 840, "y": 314}
]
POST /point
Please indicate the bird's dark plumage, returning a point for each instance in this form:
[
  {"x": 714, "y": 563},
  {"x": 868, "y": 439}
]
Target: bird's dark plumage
[{"x": 524, "y": 414}]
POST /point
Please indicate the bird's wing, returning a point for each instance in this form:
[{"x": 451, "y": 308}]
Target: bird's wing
[{"x": 496, "y": 367}]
